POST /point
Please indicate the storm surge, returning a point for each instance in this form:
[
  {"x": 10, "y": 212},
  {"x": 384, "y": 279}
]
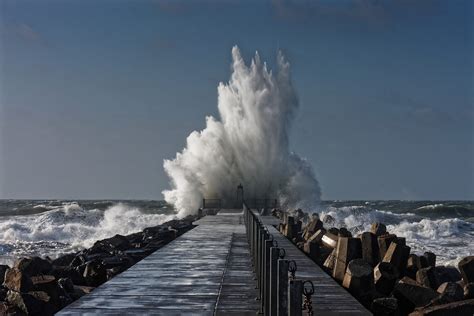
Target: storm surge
[{"x": 247, "y": 144}]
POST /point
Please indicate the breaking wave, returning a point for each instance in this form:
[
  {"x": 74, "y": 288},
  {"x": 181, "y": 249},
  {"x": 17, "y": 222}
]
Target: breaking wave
[
  {"x": 247, "y": 144},
  {"x": 70, "y": 227}
]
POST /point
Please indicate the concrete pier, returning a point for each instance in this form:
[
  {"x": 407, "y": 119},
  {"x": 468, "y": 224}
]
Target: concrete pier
[{"x": 208, "y": 271}]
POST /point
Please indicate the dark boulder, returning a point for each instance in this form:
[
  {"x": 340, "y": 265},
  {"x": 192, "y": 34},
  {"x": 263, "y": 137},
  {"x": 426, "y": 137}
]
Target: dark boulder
[
  {"x": 430, "y": 259},
  {"x": 450, "y": 292},
  {"x": 427, "y": 277},
  {"x": 64, "y": 260},
  {"x": 3, "y": 269},
  {"x": 343, "y": 232},
  {"x": 397, "y": 255},
  {"x": 347, "y": 249},
  {"x": 110, "y": 245},
  {"x": 32, "y": 303},
  {"x": 33, "y": 266},
  {"x": 66, "y": 284},
  {"x": 48, "y": 284},
  {"x": 466, "y": 266},
  {"x": 359, "y": 277},
  {"x": 384, "y": 242},
  {"x": 386, "y": 306},
  {"x": 18, "y": 281},
  {"x": 385, "y": 277},
  {"x": 370, "y": 248},
  {"x": 411, "y": 295},
  {"x": 447, "y": 274},
  {"x": 95, "y": 273},
  {"x": 460, "y": 308},
  {"x": 468, "y": 291},
  {"x": 378, "y": 229}
]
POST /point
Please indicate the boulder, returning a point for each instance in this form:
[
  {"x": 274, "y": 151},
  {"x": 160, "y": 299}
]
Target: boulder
[
  {"x": 347, "y": 249},
  {"x": 456, "y": 308},
  {"x": 317, "y": 236},
  {"x": 18, "y": 281},
  {"x": 312, "y": 227},
  {"x": 378, "y": 229},
  {"x": 312, "y": 250},
  {"x": 413, "y": 265},
  {"x": 468, "y": 291},
  {"x": 427, "y": 277},
  {"x": 111, "y": 245},
  {"x": 32, "y": 303},
  {"x": 450, "y": 292},
  {"x": 430, "y": 258},
  {"x": 334, "y": 230},
  {"x": 385, "y": 277},
  {"x": 370, "y": 248},
  {"x": 359, "y": 277},
  {"x": 343, "y": 232},
  {"x": 66, "y": 284},
  {"x": 3, "y": 269},
  {"x": 386, "y": 306},
  {"x": 411, "y": 295},
  {"x": 73, "y": 273},
  {"x": 447, "y": 274},
  {"x": 466, "y": 266},
  {"x": 384, "y": 242},
  {"x": 330, "y": 260},
  {"x": 48, "y": 284},
  {"x": 329, "y": 240},
  {"x": 397, "y": 255},
  {"x": 64, "y": 260},
  {"x": 95, "y": 273},
  {"x": 33, "y": 266},
  {"x": 328, "y": 219}
]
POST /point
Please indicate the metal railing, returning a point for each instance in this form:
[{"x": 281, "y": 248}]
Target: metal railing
[{"x": 279, "y": 292}]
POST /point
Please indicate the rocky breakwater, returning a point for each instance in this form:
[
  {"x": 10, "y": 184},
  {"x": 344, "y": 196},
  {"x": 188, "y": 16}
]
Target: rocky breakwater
[
  {"x": 378, "y": 268},
  {"x": 41, "y": 286}
]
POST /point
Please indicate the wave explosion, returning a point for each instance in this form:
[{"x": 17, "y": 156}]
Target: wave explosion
[{"x": 248, "y": 145}]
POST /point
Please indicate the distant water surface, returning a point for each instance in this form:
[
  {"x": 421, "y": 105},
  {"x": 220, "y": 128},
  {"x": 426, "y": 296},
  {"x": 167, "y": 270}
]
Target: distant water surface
[{"x": 54, "y": 227}]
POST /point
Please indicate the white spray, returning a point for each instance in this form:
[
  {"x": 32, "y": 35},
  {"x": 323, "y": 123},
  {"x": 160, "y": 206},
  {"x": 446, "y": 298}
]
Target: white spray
[{"x": 248, "y": 145}]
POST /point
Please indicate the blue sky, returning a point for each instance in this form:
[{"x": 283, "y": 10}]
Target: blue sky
[{"x": 95, "y": 94}]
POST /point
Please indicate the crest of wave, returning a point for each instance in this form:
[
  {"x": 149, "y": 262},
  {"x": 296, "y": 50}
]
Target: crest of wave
[{"x": 247, "y": 144}]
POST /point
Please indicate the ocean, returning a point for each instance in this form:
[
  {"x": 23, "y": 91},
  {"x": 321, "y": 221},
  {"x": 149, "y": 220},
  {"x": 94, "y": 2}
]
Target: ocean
[{"x": 54, "y": 227}]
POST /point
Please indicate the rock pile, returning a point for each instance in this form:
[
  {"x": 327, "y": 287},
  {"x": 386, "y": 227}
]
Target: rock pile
[
  {"x": 41, "y": 286},
  {"x": 379, "y": 270}
]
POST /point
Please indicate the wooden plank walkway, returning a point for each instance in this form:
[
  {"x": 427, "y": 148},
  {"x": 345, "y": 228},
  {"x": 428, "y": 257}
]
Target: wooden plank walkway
[
  {"x": 206, "y": 271},
  {"x": 329, "y": 297}
]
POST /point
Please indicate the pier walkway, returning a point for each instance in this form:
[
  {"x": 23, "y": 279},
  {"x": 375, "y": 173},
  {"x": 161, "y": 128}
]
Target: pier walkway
[{"x": 207, "y": 271}]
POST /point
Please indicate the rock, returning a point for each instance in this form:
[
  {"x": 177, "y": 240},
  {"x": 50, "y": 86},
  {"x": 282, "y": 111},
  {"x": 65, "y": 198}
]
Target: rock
[
  {"x": 427, "y": 277},
  {"x": 317, "y": 236},
  {"x": 447, "y": 274},
  {"x": 359, "y": 277},
  {"x": 347, "y": 250},
  {"x": 334, "y": 231},
  {"x": 370, "y": 248},
  {"x": 450, "y": 292},
  {"x": 378, "y": 229},
  {"x": 385, "y": 277},
  {"x": 3, "y": 294},
  {"x": 112, "y": 245},
  {"x": 469, "y": 291},
  {"x": 18, "y": 281},
  {"x": 330, "y": 260},
  {"x": 312, "y": 249},
  {"x": 66, "y": 284},
  {"x": 387, "y": 306},
  {"x": 328, "y": 219},
  {"x": 32, "y": 303},
  {"x": 47, "y": 284},
  {"x": 430, "y": 258},
  {"x": 312, "y": 227},
  {"x": 398, "y": 256},
  {"x": 95, "y": 273},
  {"x": 329, "y": 240},
  {"x": 73, "y": 273},
  {"x": 466, "y": 266},
  {"x": 413, "y": 265},
  {"x": 384, "y": 242},
  {"x": 411, "y": 295},
  {"x": 3, "y": 269},
  {"x": 343, "y": 232},
  {"x": 64, "y": 260},
  {"x": 456, "y": 308},
  {"x": 33, "y": 266}
]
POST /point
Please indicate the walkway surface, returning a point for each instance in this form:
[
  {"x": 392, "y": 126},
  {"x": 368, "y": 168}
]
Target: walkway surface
[
  {"x": 329, "y": 297},
  {"x": 205, "y": 271}
]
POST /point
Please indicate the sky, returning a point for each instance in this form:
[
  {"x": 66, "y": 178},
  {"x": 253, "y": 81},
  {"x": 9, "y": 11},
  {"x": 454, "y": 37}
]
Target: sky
[{"x": 95, "y": 94}]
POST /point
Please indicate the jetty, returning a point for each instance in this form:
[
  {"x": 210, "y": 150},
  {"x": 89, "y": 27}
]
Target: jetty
[{"x": 233, "y": 263}]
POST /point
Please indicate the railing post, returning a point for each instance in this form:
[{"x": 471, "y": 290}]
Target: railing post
[
  {"x": 295, "y": 298},
  {"x": 266, "y": 274},
  {"x": 282, "y": 287},
  {"x": 275, "y": 254}
]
